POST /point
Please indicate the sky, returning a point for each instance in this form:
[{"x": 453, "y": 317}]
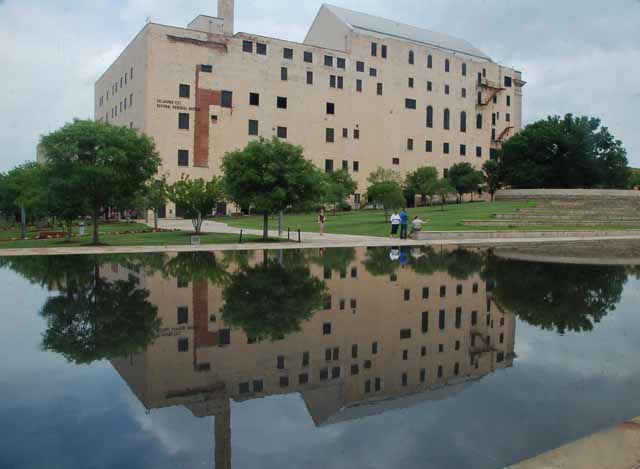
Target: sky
[{"x": 578, "y": 56}]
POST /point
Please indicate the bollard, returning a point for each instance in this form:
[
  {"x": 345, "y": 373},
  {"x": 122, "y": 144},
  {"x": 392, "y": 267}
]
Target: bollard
[
  {"x": 241, "y": 236},
  {"x": 288, "y": 234},
  {"x": 299, "y": 237}
]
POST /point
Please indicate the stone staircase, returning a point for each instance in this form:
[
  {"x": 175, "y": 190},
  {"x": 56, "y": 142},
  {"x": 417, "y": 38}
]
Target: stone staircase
[{"x": 569, "y": 208}]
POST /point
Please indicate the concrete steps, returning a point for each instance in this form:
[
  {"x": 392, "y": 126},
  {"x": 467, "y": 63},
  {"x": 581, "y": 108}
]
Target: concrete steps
[
  {"x": 607, "y": 218},
  {"x": 548, "y": 222}
]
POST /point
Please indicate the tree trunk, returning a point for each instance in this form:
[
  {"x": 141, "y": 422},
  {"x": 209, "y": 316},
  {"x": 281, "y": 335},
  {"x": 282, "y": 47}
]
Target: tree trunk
[
  {"x": 265, "y": 226},
  {"x": 96, "y": 233},
  {"x": 69, "y": 230},
  {"x": 386, "y": 215},
  {"x": 155, "y": 218}
]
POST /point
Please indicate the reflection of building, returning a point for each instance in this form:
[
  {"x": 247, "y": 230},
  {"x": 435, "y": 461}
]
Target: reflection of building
[{"x": 380, "y": 343}]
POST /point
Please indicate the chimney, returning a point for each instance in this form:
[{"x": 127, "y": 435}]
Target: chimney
[{"x": 225, "y": 11}]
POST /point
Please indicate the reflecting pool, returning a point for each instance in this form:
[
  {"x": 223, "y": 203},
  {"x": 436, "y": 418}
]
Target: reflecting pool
[{"x": 350, "y": 357}]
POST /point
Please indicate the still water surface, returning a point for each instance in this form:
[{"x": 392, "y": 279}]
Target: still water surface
[{"x": 358, "y": 358}]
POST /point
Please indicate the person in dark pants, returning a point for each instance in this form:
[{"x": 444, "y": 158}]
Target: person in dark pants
[{"x": 404, "y": 222}]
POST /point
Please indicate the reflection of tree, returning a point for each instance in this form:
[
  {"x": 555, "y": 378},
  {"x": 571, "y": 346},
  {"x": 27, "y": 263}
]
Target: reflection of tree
[
  {"x": 196, "y": 266},
  {"x": 272, "y": 299},
  {"x": 91, "y": 318},
  {"x": 378, "y": 262},
  {"x": 564, "y": 297},
  {"x": 459, "y": 263},
  {"x": 336, "y": 259}
]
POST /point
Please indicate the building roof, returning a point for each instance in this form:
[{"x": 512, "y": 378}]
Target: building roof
[{"x": 368, "y": 24}]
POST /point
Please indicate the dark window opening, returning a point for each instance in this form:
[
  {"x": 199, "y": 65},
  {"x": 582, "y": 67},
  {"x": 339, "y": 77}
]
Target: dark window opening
[
  {"x": 287, "y": 53},
  {"x": 261, "y": 49},
  {"x": 183, "y": 157},
  {"x": 184, "y": 91}
]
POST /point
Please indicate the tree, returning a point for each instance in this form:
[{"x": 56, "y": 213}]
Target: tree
[
  {"x": 339, "y": 185},
  {"x": 197, "y": 266},
  {"x": 442, "y": 188},
  {"x": 334, "y": 259},
  {"x": 464, "y": 178},
  {"x": 25, "y": 187},
  {"x": 493, "y": 177},
  {"x": 156, "y": 195},
  {"x": 379, "y": 263},
  {"x": 383, "y": 175},
  {"x": 103, "y": 165},
  {"x": 564, "y": 152},
  {"x": 197, "y": 197},
  {"x": 386, "y": 193},
  {"x": 419, "y": 181},
  {"x": 634, "y": 178},
  {"x": 271, "y": 300},
  {"x": 269, "y": 176}
]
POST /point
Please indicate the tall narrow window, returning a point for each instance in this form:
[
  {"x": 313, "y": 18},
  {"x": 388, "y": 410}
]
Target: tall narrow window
[
  {"x": 253, "y": 127},
  {"x": 411, "y": 57},
  {"x": 183, "y": 157},
  {"x": 446, "y": 118},
  {"x": 383, "y": 51},
  {"x": 379, "y": 89},
  {"x": 479, "y": 152},
  {"x": 463, "y": 121},
  {"x": 429, "y": 61},
  {"x": 428, "y": 147},
  {"x": 479, "y": 121},
  {"x": 374, "y": 49},
  {"x": 441, "y": 319},
  {"x": 446, "y": 65},
  {"x": 284, "y": 75},
  {"x": 464, "y": 69},
  {"x": 183, "y": 120},
  {"x": 430, "y": 117},
  {"x": 226, "y": 99},
  {"x": 359, "y": 86},
  {"x": 508, "y": 100},
  {"x": 309, "y": 78},
  {"x": 425, "y": 322},
  {"x": 329, "y": 135}
]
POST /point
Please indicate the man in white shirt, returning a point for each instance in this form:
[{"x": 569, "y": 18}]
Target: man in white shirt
[
  {"x": 416, "y": 226},
  {"x": 395, "y": 224}
]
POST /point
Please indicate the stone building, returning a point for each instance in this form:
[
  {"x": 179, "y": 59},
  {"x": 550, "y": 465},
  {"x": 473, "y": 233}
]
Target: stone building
[{"x": 360, "y": 92}]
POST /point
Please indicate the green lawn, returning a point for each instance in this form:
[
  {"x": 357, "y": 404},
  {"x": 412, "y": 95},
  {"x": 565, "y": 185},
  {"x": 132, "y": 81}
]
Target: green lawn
[
  {"x": 372, "y": 222},
  {"x": 172, "y": 238},
  {"x": 106, "y": 228}
]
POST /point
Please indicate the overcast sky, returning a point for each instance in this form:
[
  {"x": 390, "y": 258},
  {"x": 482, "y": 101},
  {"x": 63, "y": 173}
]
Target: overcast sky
[{"x": 580, "y": 56}]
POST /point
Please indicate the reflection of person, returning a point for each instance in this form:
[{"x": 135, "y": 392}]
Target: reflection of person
[
  {"x": 404, "y": 221},
  {"x": 394, "y": 255},
  {"x": 416, "y": 226},
  {"x": 404, "y": 259},
  {"x": 321, "y": 220},
  {"x": 395, "y": 224}
]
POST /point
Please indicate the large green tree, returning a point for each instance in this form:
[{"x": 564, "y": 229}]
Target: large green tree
[
  {"x": 493, "y": 177},
  {"x": 197, "y": 197},
  {"x": 420, "y": 181},
  {"x": 156, "y": 194},
  {"x": 564, "y": 152},
  {"x": 338, "y": 186},
  {"x": 25, "y": 187},
  {"x": 387, "y": 194},
  {"x": 99, "y": 165},
  {"x": 269, "y": 176},
  {"x": 442, "y": 188},
  {"x": 464, "y": 178},
  {"x": 272, "y": 299}
]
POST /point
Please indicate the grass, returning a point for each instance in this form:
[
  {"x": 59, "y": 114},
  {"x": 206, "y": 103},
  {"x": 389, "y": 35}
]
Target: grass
[
  {"x": 372, "y": 222},
  {"x": 170, "y": 238},
  {"x": 104, "y": 228}
]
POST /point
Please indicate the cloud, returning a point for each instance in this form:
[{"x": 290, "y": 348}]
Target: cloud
[{"x": 580, "y": 58}]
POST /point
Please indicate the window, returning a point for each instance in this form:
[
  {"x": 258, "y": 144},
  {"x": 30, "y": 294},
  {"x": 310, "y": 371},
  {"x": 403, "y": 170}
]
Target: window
[
  {"x": 356, "y": 134},
  {"x": 446, "y": 65},
  {"x": 430, "y": 117},
  {"x": 183, "y": 120},
  {"x": 243, "y": 388},
  {"x": 183, "y": 315},
  {"x": 354, "y": 272},
  {"x": 131, "y": 73},
  {"x": 379, "y": 89},
  {"x": 429, "y": 86},
  {"x": 484, "y": 73},
  {"x": 446, "y": 89},
  {"x": 356, "y": 166},
  {"x": 404, "y": 379},
  {"x": 131, "y": 100},
  {"x": 261, "y": 49},
  {"x": 405, "y": 353},
  {"x": 328, "y": 166},
  {"x": 507, "y": 82},
  {"x": 326, "y": 328},
  {"x": 508, "y": 100},
  {"x": 474, "y": 288},
  {"x": 367, "y": 386},
  {"x": 309, "y": 78},
  {"x": 340, "y": 83},
  {"x": 463, "y": 121},
  {"x": 183, "y": 157},
  {"x": 463, "y": 150},
  {"x": 355, "y": 369},
  {"x": 410, "y": 144},
  {"x": 184, "y": 91},
  {"x": 284, "y": 75},
  {"x": 458, "y": 317},
  {"x": 254, "y": 99},
  {"x": 443, "y": 291},
  {"x": 359, "y": 66},
  {"x": 441, "y": 319},
  {"x": 328, "y": 60},
  {"x": 463, "y": 92},
  {"x": 410, "y": 103},
  {"x": 445, "y": 148},
  {"x": 335, "y": 372},
  {"x": 374, "y": 49},
  {"x": 284, "y": 381},
  {"x": 405, "y": 333},
  {"x": 446, "y": 118},
  {"x": 329, "y": 137},
  {"x": 410, "y": 82},
  {"x": 374, "y": 348},
  {"x": 407, "y": 294},
  {"x": 204, "y": 68},
  {"x": 480, "y": 98},
  {"x": 359, "y": 86},
  {"x": 308, "y": 57},
  {"x": 280, "y": 362},
  {"x": 303, "y": 378},
  {"x": 479, "y": 152},
  {"x": 281, "y": 102},
  {"x": 287, "y": 53},
  {"x": 373, "y": 72},
  {"x": 324, "y": 374},
  {"x": 411, "y": 57},
  {"x": 464, "y": 69},
  {"x": 332, "y": 81},
  {"x": 384, "y": 51},
  {"x": 395, "y": 161},
  {"x": 226, "y": 99},
  {"x": 331, "y": 108},
  {"x": 507, "y": 117},
  {"x": 428, "y": 146},
  {"x": 429, "y": 61},
  {"x": 253, "y": 127},
  {"x": 247, "y": 46},
  {"x": 345, "y": 133},
  {"x": 305, "y": 358},
  {"x": 474, "y": 318},
  {"x": 479, "y": 121},
  {"x": 282, "y": 132},
  {"x": 341, "y": 63},
  {"x": 183, "y": 345}
]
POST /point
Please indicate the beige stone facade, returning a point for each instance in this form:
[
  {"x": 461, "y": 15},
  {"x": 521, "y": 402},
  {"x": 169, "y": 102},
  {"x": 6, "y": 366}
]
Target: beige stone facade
[{"x": 351, "y": 96}]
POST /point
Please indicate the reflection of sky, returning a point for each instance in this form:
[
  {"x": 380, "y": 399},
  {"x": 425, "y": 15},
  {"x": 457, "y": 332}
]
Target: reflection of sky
[{"x": 561, "y": 387}]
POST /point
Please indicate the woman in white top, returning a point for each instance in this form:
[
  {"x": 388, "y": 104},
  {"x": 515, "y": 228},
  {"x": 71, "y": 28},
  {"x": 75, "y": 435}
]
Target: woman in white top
[{"x": 395, "y": 224}]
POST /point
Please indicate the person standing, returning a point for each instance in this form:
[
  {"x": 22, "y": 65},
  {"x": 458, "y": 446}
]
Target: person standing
[
  {"x": 395, "y": 224},
  {"x": 404, "y": 222},
  {"x": 321, "y": 220}
]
